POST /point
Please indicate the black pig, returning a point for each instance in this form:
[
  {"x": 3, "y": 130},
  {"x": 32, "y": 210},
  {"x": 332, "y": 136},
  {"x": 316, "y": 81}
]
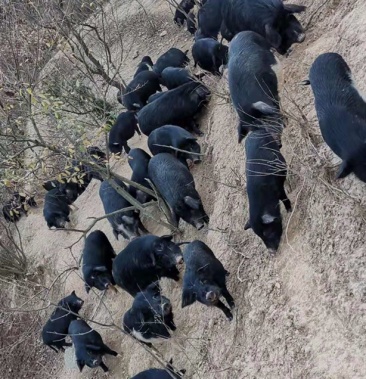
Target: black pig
[
  {"x": 210, "y": 55},
  {"x": 176, "y": 185},
  {"x": 175, "y": 136},
  {"x": 205, "y": 279},
  {"x": 143, "y": 85},
  {"x": 210, "y": 18},
  {"x": 56, "y": 209},
  {"x": 145, "y": 260},
  {"x": 266, "y": 172},
  {"x": 146, "y": 64},
  {"x": 98, "y": 255},
  {"x": 123, "y": 129},
  {"x": 89, "y": 346},
  {"x": 127, "y": 224},
  {"x": 139, "y": 160},
  {"x": 173, "y": 77},
  {"x": 341, "y": 113},
  {"x": 253, "y": 83},
  {"x": 156, "y": 373},
  {"x": 172, "y": 58},
  {"x": 150, "y": 318},
  {"x": 56, "y": 329},
  {"x": 176, "y": 107},
  {"x": 183, "y": 8},
  {"x": 272, "y": 19},
  {"x": 154, "y": 97}
]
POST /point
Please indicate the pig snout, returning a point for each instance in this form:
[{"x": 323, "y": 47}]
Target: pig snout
[
  {"x": 166, "y": 308},
  {"x": 80, "y": 302},
  {"x": 199, "y": 225},
  {"x": 212, "y": 297},
  {"x": 179, "y": 259},
  {"x": 196, "y": 160}
]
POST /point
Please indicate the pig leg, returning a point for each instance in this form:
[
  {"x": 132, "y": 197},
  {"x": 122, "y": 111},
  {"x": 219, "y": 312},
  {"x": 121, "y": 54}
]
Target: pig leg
[
  {"x": 53, "y": 348},
  {"x": 138, "y": 130},
  {"x": 126, "y": 147},
  {"x": 104, "y": 367},
  {"x": 285, "y": 200},
  {"x": 175, "y": 219},
  {"x": 109, "y": 351},
  {"x": 193, "y": 126},
  {"x": 225, "y": 309},
  {"x": 170, "y": 324},
  {"x": 228, "y": 298},
  {"x": 142, "y": 228}
]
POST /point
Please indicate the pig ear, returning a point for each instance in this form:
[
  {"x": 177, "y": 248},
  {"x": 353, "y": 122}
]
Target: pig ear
[
  {"x": 80, "y": 364},
  {"x": 154, "y": 287},
  {"x": 87, "y": 287},
  {"x": 344, "y": 170},
  {"x": 188, "y": 297},
  {"x": 268, "y": 219},
  {"x": 273, "y": 36},
  {"x": 264, "y": 108},
  {"x": 193, "y": 139},
  {"x": 127, "y": 219},
  {"x": 192, "y": 203},
  {"x": 294, "y": 8},
  {"x": 73, "y": 293},
  {"x": 247, "y": 225}
]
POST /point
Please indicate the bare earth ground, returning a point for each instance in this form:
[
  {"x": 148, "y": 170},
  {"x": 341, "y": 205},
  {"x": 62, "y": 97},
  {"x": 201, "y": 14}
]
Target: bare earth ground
[{"x": 301, "y": 314}]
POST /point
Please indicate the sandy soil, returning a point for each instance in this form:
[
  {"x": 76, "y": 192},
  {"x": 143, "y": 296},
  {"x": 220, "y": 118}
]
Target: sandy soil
[{"x": 301, "y": 314}]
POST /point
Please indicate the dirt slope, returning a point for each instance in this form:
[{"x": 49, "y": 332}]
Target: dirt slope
[{"x": 300, "y": 314}]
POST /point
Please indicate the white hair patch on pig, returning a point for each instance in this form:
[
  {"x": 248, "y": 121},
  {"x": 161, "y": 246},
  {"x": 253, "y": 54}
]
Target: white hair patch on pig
[{"x": 277, "y": 69}]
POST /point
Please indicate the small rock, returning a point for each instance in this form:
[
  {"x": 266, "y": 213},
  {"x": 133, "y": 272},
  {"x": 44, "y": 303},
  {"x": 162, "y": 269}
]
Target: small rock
[
  {"x": 278, "y": 285},
  {"x": 135, "y": 55},
  {"x": 163, "y": 33}
]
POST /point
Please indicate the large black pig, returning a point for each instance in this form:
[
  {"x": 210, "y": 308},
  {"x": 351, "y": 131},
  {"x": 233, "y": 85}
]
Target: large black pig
[
  {"x": 253, "y": 83},
  {"x": 145, "y": 260},
  {"x": 341, "y": 113},
  {"x": 98, "y": 255},
  {"x": 89, "y": 346},
  {"x": 150, "y": 318},
  {"x": 205, "y": 279},
  {"x": 55, "y": 331},
  {"x": 175, "y": 107},
  {"x": 176, "y": 185},
  {"x": 266, "y": 172},
  {"x": 272, "y": 19},
  {"x": 175, "y": 136}
]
